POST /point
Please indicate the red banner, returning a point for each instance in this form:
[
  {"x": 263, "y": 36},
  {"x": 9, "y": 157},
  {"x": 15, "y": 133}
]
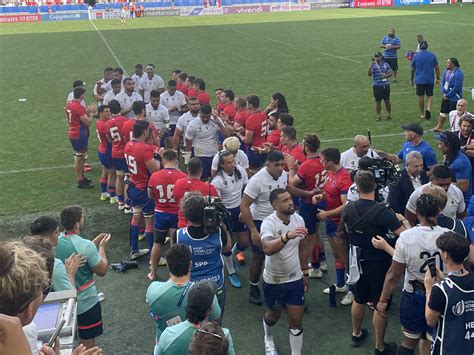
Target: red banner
[
  {"x": 373, "y": 3},
  {"x": 20, "y": 18}
]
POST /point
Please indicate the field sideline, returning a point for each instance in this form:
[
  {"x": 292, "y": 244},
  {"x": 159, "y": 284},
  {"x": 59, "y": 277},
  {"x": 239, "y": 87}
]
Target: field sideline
[{"x": 318, "y": 59}]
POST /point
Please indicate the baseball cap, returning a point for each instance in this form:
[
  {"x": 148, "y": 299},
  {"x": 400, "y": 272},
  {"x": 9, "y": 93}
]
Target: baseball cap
[
  {"x": 423, "y": 45},
  {"x": 414, "y": 127},
  {"x": 378, "y": 54},
  {"x": 202, "y": 294}
]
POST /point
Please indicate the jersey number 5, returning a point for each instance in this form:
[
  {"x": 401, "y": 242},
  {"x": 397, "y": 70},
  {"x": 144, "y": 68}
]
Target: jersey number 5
[{"x": 114, "y": 133}]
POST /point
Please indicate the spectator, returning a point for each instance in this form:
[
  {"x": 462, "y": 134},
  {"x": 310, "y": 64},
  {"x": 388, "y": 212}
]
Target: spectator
[
  {"x": 465, "y": 135},
  {"x": 209, "y": 339},
  {"x": 361, "y": 148},
  {"x": 391, "y": 45},
  {"x": 380, "y": 73},
  {"x": 277, "y": 104},
  {"x": 457, "y": 114}
]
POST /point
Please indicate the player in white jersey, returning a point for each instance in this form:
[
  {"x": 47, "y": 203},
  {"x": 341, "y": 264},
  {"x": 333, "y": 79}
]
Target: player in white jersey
[
  {"x": 183, "y": 121},
  {"x": 231, "y": 144},
  {"x": 150, "y": 81},
  {"x": 361, "y": 148},
  {"x": 99, "y": 91},
  {"x": 137, "y": 76},
  {"x": 175, "y": 102},
  {"x": 229, "y": 182},
  {"x": 116, "y": 88},
  {"x": 157, "y": 114},
  {"x": 414, "y": 251},
  {"x": 76, "y": 84},
  {"x": 127, "y": 97},
  {"x": 117, "y": 74},
  {"x": 286, "y": 273}
]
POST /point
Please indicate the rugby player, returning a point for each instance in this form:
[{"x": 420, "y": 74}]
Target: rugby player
[
  {"x": 183, "y": 121},
  {"x": 116, "y": 88},
  {"x": 175, "y": 102},
  {"x": 150, "y": 82},
  {"x": 104, "y": 153},
  {"x": 127, "y": 97}
]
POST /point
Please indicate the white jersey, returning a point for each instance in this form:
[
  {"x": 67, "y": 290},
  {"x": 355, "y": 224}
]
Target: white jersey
[
  {"x": 353, "y": 193},
  {"x": 230, "y": 188},
  {"x": 127, "y": 101},
  {"x": 259, "y": 188},
  {"x": 70, "y": 97},
  {"x": 147, "y": 85},
  {"x": 108, "y": 85},
  {"x": 284, "y": 266},
  {"x": 413, "y": 248},
  {"x": 173, "y": 101},
  {"x": 136, "y": 78},
  {"x": 455, "y": 203},
  {"x": 183, "y": 122},
  {"x": 204, "y": 137},
  {"x": 108, "y": 97},
  {"x": 157, "y": 117},
  {"x": 454, "y": 119},
  {"x": 350, "y": 159},
  {"x": 96, "y": 86},
  {"x": 241, "y": 159}
]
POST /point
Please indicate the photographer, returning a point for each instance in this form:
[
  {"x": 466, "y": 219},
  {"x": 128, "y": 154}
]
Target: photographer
[
  {"x": 380, "y": 72},
  {"x": 206, "y": 248},
  {"x": 367, "y": 223}
]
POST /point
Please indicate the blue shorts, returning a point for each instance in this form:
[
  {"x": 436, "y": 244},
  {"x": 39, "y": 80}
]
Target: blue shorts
[
  {"x": 220, "y": 138},
  {"x": 331, "y": 228},
  {"x": 412, "y": 314},
  {"x": 256, "y": 160},
  {"x": 308, "y": 213},
  {"x": 256, "y": 250},
  {"x": 237, "y": 226},
  {"x": 79, "y": 145},
  {"x": 279, "y": 295},
  {"x": 165, "y": 221},
  {"x": 169, "y": 133},
  {"x": 140, "y": 198},
  {"x": 120, "y": 164},
  {"x": 105, "y": 159},
  {"x": 206, "y": 167}
]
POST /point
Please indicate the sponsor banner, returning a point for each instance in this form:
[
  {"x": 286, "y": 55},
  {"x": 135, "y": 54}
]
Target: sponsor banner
[
  {"x": 162, "y": 12},
  {"x": 438, "y": 2},
  {"x": 250, "y": 9},
  {"x": 200, "y": 11},
  {"x": 289, "y": 7},
  {"x": 373, "y": 3},
  {"x": 20, "y": 18},
  {"x": 331, "y": 4},
  {"x": 410, "y": 2},
  {"x": 65, "y": 16}
]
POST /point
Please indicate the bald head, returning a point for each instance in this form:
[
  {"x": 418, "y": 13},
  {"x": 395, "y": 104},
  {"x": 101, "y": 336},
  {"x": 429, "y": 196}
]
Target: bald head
[
  {"x": 361, "y": 145},
  {"x": 461, "y": 106}
]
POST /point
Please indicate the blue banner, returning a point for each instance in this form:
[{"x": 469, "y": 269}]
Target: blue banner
[
  {"x": 65, "y": 16},
  {"x": 410, "y": 2}
]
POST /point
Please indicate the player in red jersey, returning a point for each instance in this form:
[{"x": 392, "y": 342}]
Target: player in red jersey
[
  {"x": 181, "y": 83},
  {"x": 255, "y": 134},
  {"x": 189, "y": 86},
  {"x": 310, "y": 175},
  {"x": 191, "y": 183},
  {"x": 219, "y": 105},
  {"x": 79, "y": 118},
  {"x": 141, "y": 164},
  {"x": 200, "y": 92},
  {"x": 139, "y": 109},
  {"x": 114, "y": 126},
  {"x": 160, "y": 188},
  {"x": 104, "y": 153},
  {"x": 290, "y": 146},
  {"x": 274, "y": 133},
  {"x": 338, "y": 182}
]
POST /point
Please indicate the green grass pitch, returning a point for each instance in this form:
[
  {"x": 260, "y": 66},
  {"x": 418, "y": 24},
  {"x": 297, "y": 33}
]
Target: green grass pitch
[{"x": 318, "y": 59}]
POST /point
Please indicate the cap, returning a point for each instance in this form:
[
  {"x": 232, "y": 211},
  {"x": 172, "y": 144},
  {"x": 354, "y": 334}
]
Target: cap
[
  {"x": 414, "y": 127},
  {"x": 423, "y": 45},
  {"x": 202, "y": 294},
  {"x": 378, "y": 54}
]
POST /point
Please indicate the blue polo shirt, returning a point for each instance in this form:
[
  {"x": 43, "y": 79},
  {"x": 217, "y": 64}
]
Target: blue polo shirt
[
  {"x": 424, "y": 64},
  {"x": 451, "y": 84},
  {"x": 377, "y": 71},
  {"x": 390, "y": 53},
  {"x": 429, "y": 155},
  {"x": 461, "y": 169}
]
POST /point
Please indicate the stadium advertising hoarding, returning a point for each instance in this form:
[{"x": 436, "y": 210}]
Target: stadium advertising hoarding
[
  {"x": 65, "y": 16},
  {"x": 289, "y": 7},
  {"x": 373, "y": 3},
  {"x": 435, "y": 2},
  {"x": 164, "y": 12},
  {"x": 200, "y": 11},
  {"x": 250, "y": 9},
  {"x": 410, "y": 2},
  {"x": 20, "y": 18},
  {"x": 326, "y": 4}
]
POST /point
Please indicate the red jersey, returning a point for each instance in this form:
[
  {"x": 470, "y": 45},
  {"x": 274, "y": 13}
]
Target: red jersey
[
  {"x": 296, "y": 152},
  {"x": 257, "y": 123},
  {"x": 127, "y": 131},
  {"x": 203, "y": 98},
  {"x": 114, "y": 126},
  {"x": 241, "y": 117},
  {"x": 137, "y": 154},
  {"x": 337, "y": 184},
  {"x": 102, "y": 133},
  {"x": 192, "y": 92},
  {"x": 74, "y": 112},
  {"x": 229, "y": 110},
  {"x": 274, "y": 137},
  {"x": 220, "y": 106},
  {"x": 313, "y": 175},
  {"x": 186, "y": 185},
  {"x": 162, "y": 182},
  {"x": 182, "y": 88}
]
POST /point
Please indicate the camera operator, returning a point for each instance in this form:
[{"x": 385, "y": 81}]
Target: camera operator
[
  {"x": 412, "y": 177},
  {"x": 381, "y": 192},
  {"x": 445, "y": 300},
  {"x": 367, "y": 221},
  {"x": 206, "y": 248}
]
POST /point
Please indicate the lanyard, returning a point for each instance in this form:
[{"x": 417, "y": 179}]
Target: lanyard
[
  {"x": 181, "y": 299},
  {"x": 468, "y": 141},
  {"x": 449, "y": 75}
]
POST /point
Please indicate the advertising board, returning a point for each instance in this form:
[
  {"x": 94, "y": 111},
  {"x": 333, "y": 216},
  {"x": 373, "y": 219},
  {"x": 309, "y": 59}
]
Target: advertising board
[
  {"x": 20, "y": 18},
  {"x": 249, "y": 9}
]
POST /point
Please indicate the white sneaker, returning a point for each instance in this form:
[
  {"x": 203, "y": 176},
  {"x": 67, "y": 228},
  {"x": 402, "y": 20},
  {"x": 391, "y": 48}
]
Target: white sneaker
[
  {"x": 121, "y": 207},
  {"x": 324, "y": 266},
  {"x": 162, "y": 262},
  {"x": 139, "y": 254},
  {"x": 270, "y": 345},
  {"x": 342, "y": 289},
  {"x": 348, "y": 299},
  {"x": 101, "y": 296},
  {"x": 127, "y": 210},
  {"x": 167, "y": 240},
  {"x": 315, "y": 273}
]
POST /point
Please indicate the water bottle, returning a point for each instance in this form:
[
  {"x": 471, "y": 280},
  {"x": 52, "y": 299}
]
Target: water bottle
[{"x": 332, "y": 296}]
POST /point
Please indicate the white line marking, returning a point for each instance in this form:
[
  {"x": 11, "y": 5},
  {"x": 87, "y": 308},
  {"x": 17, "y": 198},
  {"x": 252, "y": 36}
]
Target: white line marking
[
  {"x": 467, "y": 88},
  {"x": 109, "y": 48},
  {"x": 42, "y": 169},
  {"x": 241, "y": 32},
  {"x": 278, "y": 41},
  {"x": 343, "y": 58}
]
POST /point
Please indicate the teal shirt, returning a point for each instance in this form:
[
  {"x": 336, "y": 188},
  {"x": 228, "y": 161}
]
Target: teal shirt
[
  {"x": 85, "y": 284},
  {"x": 60, "y": 280},
  {"x": 175, "y": 340},
  {"x": 163, "y": 297}
]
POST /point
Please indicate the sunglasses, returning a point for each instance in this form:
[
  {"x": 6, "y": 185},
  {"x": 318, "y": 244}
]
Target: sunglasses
[
  {"x": 208, "y": 333},
  {"x": 44, "y": 292}
]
